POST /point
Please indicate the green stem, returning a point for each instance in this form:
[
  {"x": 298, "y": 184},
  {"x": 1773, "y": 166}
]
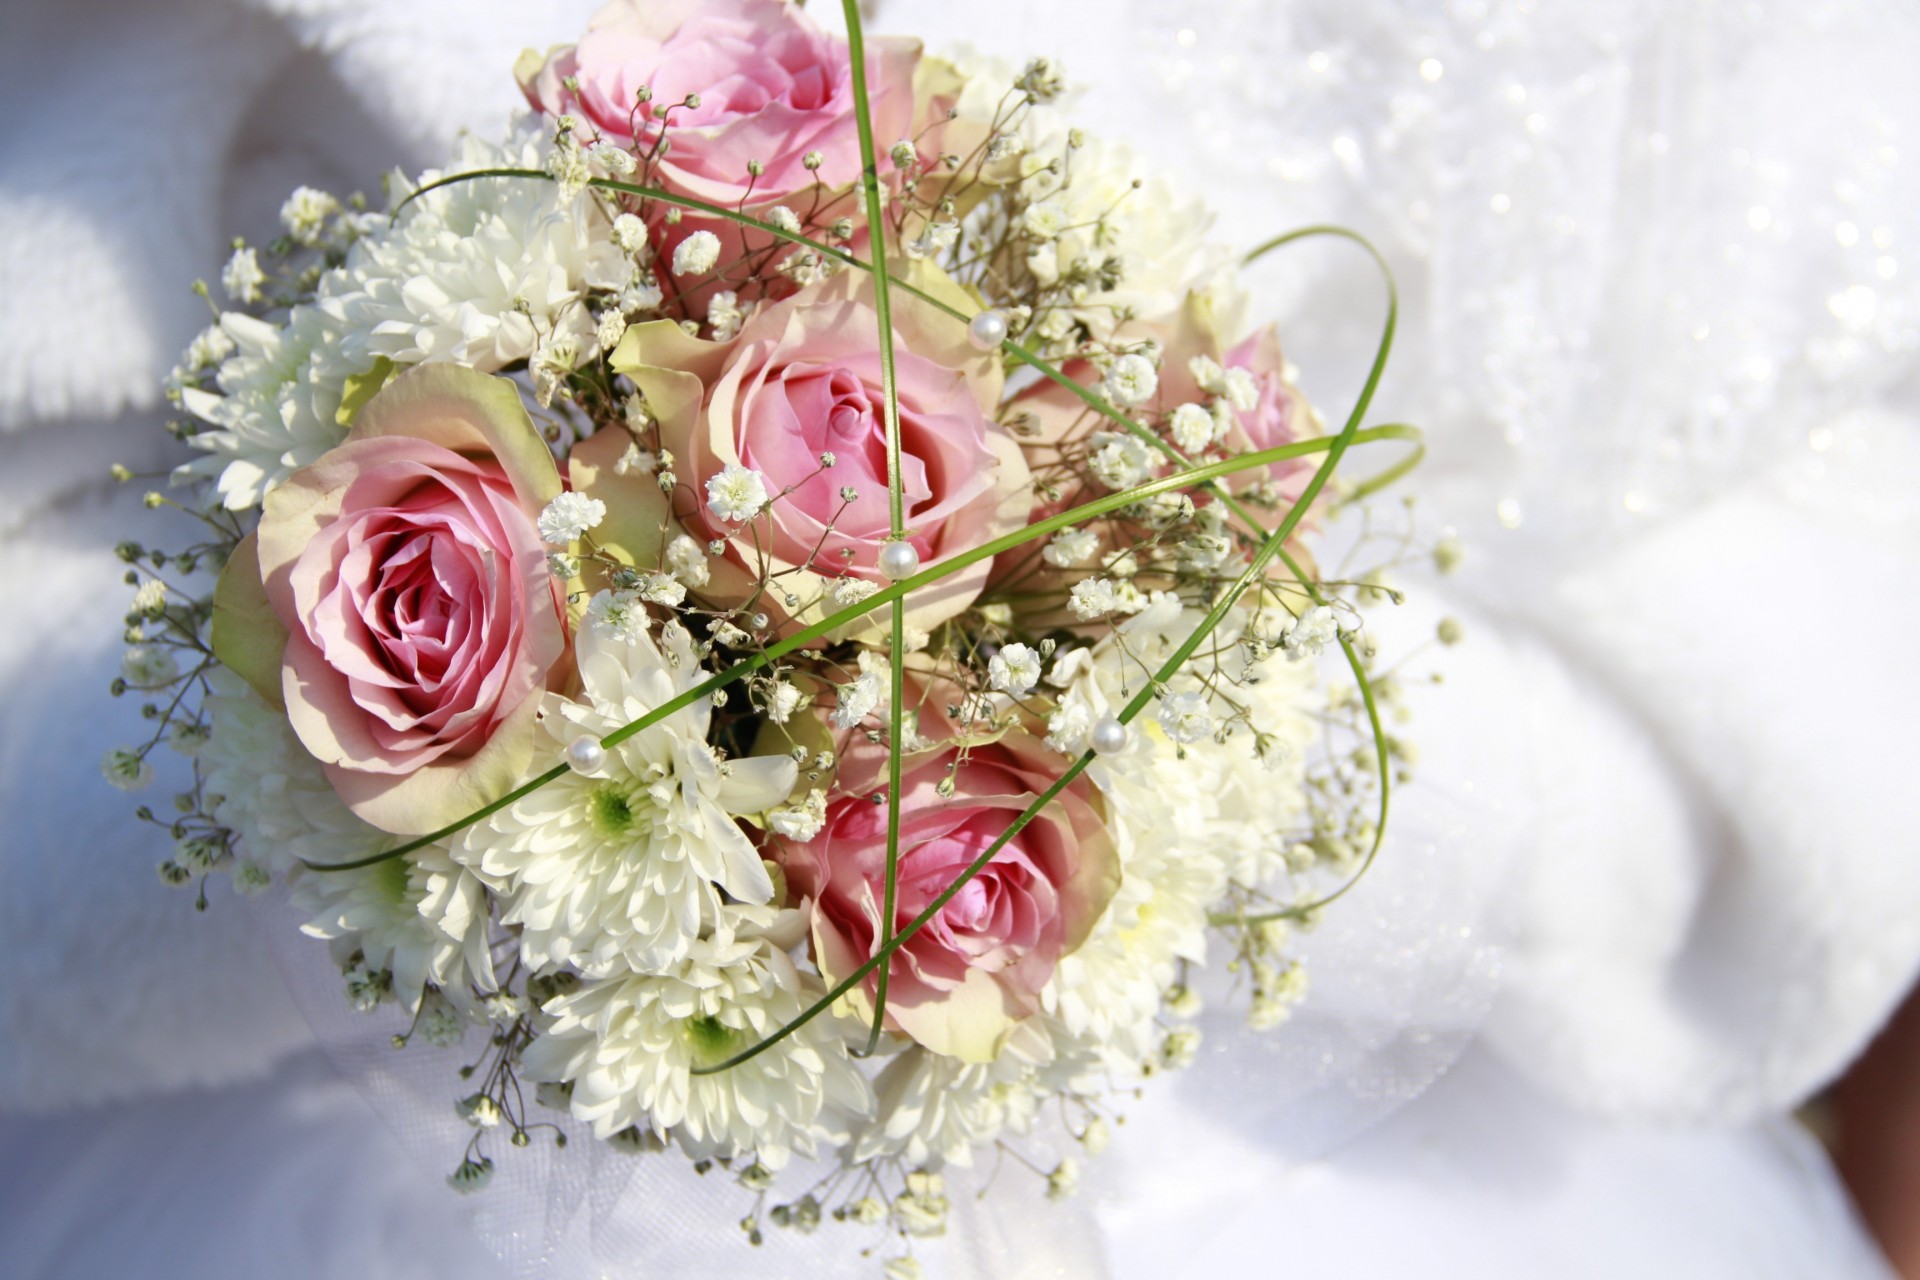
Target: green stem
[{"x": 896, "y": 514}]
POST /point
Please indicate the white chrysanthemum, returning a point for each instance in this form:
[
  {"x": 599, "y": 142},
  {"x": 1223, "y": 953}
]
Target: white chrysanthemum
[
  {"x": 1157, "y": 231},
  {"x": 933, "y": 1109},
  {"x": 421, "y": 917},
  {"x": 279, "y": 396},
  {"x": 478, "y": 272},
  {"x": 1186, "y": 818},
  {"x": 1106, "y": 994},
  {"x": 628, "y": 1044},
  {"x": 263, "y": 785},
  {"x": 628, "y": 866}
]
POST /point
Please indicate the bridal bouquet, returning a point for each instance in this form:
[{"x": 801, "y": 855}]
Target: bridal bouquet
[{"x": 777, "y": 603}]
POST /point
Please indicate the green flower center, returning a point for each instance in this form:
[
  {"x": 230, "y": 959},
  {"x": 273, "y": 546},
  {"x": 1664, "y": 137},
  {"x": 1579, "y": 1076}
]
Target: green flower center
[
  {"x": 711, "y": 1041},
  {"x": 390, "y": 879},
  {"x": 611, "y": 810}
]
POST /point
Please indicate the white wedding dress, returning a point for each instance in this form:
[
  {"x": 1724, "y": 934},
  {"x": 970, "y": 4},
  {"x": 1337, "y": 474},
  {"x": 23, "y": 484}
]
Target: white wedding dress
[{"x": 1650, "y": 890}]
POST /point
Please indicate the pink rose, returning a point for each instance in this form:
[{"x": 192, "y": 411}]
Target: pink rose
[
  {"x": 773, "y": 88},
  {"x": 1279, "y": 414},
  {"x": 421, "y": 624},
  {"x": 801, "y": 380},
  {"x": 974, "y": 970}
]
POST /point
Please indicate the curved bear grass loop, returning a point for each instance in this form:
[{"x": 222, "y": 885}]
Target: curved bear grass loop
[{"x": 1272, "y": 547}]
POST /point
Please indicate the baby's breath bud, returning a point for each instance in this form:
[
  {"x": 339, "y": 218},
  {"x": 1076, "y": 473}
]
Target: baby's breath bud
[
  {"x": 479, "y": 1110},
  {"x": 126, "y": 770},
  {"x": 903, "y": 154},
  {"x": 1064, "y": 1180},
  {"x": 471, "y": 1176},
  {"x": 1180, "y": 1048}
]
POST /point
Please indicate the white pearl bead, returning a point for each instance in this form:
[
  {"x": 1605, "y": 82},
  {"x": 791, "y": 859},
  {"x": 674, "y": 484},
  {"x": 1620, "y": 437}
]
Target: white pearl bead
[
  {"x": 987, "y": 330},
  {"x": 1108, "y": 736},
  {"x": 899, "y": 560},
  {"x": 586, "y": 755}
]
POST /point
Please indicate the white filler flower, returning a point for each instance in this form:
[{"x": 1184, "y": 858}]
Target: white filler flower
[
  {"x": 736, "y": 493},
  {"x": 568, "y": 516},
  {"x": 1015, "y": 670},
  {"x": 697, "y": 254},
  {"x": 1132, "y": 380}
]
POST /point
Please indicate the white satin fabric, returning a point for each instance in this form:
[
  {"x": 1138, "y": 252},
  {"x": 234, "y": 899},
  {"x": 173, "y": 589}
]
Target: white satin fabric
[{"x": 1660, "y": 312}]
